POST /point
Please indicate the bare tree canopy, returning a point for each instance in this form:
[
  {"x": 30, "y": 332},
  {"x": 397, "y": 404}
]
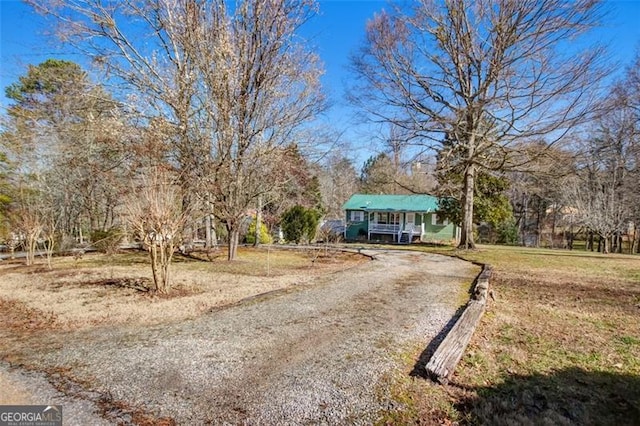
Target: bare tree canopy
[
  {"x": 263, "y": 86},
  {"x": 233, "y": 81},
  {"x": 604, "y": 192},
  {"x": 483, "y": 75},
  {"x": 338, "y": 182}
]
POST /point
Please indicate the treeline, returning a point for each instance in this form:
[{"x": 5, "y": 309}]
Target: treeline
[
  {"x": 74, "y": 163},
  {"x": 78, "y": 167}
]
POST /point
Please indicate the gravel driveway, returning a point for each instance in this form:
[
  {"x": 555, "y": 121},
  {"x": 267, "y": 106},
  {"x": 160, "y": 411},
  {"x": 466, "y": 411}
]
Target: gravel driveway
[{"x": 312, "y": 355}]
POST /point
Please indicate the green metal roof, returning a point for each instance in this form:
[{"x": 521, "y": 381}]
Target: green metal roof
[{"x": 392, "y": 203}]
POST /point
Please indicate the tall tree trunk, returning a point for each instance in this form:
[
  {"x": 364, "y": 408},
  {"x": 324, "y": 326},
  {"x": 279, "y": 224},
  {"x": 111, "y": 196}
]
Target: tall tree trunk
[
  {"x": 619, "y": 242},
  {"x": 31, "y": 249},
  {"x": 538, "y": 224},
  {"x": 207, "y": 232},
  {"x": 570, "y": 238},
  {"x": 553, "y": 228},
  {"x": 190, "y": 228},
  {"x": 466, "y": 237},
  {"x": 49, "y": 247},
  {"x": 234, "y": 237},
  {"x": 208, "y": 223},
  {"x": 256, "y": 243},
  {"x": 522, "y": 222}
]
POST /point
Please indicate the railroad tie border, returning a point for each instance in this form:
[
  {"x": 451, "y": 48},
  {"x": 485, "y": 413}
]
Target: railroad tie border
[{"x": 449, "y": 353}]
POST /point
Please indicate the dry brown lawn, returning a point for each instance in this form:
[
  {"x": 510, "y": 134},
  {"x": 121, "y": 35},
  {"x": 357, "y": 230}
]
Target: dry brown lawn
[
  {"x": 100, "y": 289},
  {"x": 559, "y": 346}
]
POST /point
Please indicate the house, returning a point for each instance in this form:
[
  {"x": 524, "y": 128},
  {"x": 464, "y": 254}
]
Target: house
[{"x": 396, "y": 218}]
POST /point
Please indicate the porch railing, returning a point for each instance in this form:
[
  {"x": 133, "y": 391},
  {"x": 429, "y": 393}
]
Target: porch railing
[{"x": 384, "y": 228}]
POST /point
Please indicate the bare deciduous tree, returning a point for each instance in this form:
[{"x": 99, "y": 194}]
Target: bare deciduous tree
[
  {"x": 51, "y": 217},
  {"x": 338, "y": 182},
  {"x": 597, "y": 205},
  {"x": 155, "y": 212},
  {"x": 263, "y": 84},
  {"x": 26, "y": 218},
  {"x": 538, "y": 192},
  {"x": 235, "y": 83},
  {"x": 630, "y": 90},
  {"x": 482, "y": 74},
  {"x": 605, "y": 191}
]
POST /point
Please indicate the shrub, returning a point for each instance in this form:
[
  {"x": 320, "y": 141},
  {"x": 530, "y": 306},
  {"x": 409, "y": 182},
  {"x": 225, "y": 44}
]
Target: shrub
[
  {"x": 106, "y": 241},
  {"x": 508, "y": 233},
  {"x": 299, "y": 224},
  {"x": 265, "y": 237}
]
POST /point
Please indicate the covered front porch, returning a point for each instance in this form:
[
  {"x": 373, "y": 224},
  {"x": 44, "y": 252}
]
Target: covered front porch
[
  {"x": 402, "y": 226},
  {"x": 395, "y": 218}
]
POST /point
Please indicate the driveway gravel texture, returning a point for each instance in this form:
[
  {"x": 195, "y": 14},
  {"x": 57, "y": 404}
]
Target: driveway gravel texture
[{"x": 311, "y": 354}]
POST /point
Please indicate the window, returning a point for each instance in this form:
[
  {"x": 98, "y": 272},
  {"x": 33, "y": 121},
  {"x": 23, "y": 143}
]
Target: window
[
  {"x": 385, "y": 218},
  {"x": 356, "y": 216},
  {"x": 437, "y": 221}
]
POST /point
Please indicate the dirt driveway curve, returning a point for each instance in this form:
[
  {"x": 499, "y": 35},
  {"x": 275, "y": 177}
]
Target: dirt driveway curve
[{"x": 314, "y": 354}]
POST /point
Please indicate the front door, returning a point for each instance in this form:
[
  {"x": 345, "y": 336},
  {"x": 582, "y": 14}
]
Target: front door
[{"x": 411, "y": 221}]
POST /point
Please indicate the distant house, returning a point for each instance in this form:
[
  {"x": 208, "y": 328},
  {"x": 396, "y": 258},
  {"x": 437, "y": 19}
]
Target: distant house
[{"x": 396, "y": 218}]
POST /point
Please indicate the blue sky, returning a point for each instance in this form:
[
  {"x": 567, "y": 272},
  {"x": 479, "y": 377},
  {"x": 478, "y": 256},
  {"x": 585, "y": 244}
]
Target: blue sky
[{"x": 336, "y": 32}]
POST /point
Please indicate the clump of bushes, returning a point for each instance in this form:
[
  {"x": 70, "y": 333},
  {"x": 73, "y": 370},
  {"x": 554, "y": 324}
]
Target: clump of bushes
[
  {"x": 300, "y": 224},
  {"x": 265, "y": 237}
]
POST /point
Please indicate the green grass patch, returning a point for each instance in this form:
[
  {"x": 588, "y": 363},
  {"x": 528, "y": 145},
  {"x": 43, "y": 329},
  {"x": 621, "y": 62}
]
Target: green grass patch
[{"x": 629, "y": 340}]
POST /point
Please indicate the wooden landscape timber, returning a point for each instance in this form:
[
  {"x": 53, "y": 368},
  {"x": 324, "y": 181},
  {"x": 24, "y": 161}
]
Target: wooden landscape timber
[{"x": 445, "y": 359}]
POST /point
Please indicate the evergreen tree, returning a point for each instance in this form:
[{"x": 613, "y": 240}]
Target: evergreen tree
[{"x": 300, "y": 224}]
